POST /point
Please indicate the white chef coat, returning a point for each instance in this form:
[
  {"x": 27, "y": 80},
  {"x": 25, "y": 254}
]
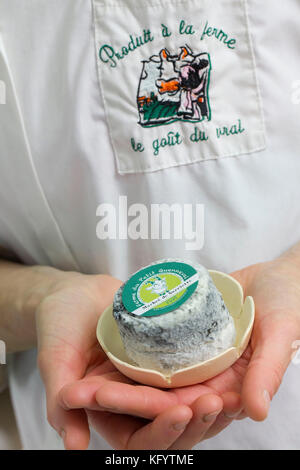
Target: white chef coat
[{"x": 58, "y": 162}]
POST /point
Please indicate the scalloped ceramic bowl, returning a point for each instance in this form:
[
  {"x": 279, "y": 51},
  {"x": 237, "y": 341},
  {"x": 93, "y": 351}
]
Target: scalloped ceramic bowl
[{"x": 242, "y": 312}]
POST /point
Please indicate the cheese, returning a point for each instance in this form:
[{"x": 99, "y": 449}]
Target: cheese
[{"x": 198, "y": 330}]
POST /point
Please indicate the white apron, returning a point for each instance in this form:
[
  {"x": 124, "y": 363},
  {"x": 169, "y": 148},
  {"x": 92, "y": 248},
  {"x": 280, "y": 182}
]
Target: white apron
[{"x": 194, "y": 103}]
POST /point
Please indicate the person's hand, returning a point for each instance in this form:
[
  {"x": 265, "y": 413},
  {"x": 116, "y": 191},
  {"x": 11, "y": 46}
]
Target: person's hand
[
  {"x": 275, "y": 287},
  {"x": 256, "y": 376},
  {"x": 66, "y": 320},
  {"x": 68, "y": 351},
  {"x": 133, "y": 416}
]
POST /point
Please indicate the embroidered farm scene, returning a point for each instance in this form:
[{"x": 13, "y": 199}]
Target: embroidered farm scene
[{"x": 174, "y": 88}]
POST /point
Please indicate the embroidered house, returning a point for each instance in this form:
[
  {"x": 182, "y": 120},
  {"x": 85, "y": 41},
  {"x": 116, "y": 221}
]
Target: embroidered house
[{"x": 174, "y": 88}]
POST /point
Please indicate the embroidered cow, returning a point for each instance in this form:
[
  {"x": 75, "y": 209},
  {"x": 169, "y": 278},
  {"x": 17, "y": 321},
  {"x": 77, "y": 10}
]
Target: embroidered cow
[{"x": 174, "y": 87}]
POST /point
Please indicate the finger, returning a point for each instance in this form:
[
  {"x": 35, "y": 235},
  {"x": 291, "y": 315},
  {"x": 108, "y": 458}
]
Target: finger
[
  {"x": 232, "y": 404},
  {"x": 82, "y": 393},
  {"x": 270, "y": 358},
  {"x": 108, "y": 393},
  {"x": 163, "y": 431},
  {"x": 205, "y": 411},
  {"x": 77, "y": 434},
  {"x": 128, "y": 433},
  {"x": 115, "y": 429},
  {"x": 71, "y": 425},
  {"x": 143, "y": 401},
  {"x": 232, "y": 407},
  {"x": 136, "y": 400}
]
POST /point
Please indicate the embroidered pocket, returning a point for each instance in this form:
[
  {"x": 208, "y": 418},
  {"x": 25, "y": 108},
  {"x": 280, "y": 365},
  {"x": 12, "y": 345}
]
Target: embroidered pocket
[{"x": 178, "y": 81}]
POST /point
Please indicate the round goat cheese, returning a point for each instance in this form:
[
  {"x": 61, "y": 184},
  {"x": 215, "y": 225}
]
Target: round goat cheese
[{"x": 198, "y": 329}]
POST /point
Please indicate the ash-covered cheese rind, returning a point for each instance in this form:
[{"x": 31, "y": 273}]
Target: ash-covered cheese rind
[{"x": 200, "y": 329}]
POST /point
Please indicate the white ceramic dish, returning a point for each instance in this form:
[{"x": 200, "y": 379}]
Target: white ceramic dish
[{"x": 242, "y": 312}]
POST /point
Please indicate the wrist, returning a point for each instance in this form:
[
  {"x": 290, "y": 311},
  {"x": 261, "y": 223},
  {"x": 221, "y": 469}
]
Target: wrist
[
  {"x": 42, "y": 281},
  {"x": 23, "y": 288}
]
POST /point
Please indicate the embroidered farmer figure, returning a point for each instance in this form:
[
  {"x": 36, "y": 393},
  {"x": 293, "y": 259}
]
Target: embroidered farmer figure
[{"x": 174, "y": 88}]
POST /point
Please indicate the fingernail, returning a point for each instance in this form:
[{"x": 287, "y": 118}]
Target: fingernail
[
  {"x": 62, "y": 434},
  {"x": 180, "y": 426},
  {"x": 267, "y": 398},
  {"x": 210, "y": 416}
]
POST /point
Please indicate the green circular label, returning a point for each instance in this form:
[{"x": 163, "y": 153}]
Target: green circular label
[{"x": 159, "y": 289}]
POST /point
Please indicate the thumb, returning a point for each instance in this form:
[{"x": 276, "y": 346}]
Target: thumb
[
  {"x": 272, "y": 353},
  {"x": 59, "y": 368}
]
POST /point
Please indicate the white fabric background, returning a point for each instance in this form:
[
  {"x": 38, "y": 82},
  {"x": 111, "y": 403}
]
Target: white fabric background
[{"x": 251, "y": 201}]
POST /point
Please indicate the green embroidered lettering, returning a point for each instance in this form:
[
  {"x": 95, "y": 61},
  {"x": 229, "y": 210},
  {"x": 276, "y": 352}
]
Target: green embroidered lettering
[
  {"x": 231, "y": 43},
  {"x": 185, "y": 29},
  {"x": 156, "y": 146},
  {"x": 235, "y": 129},
  {"x": 147, "y": 36},
  {"x": 218, "y": 34},
  {"x": 208, "y": 32},
  {"x": 136, "y": 146},
  {"x": 163, "y": 142},
  {"x": 198, "y": 136},
  {"x": 139, "y": 41},
  {"x": 106, "y": 54},
  {"x": 165, "y": 31},
  {"x": 170, "y": 140},
  {"x": 223, "y": 37},
  {"x": 131, "y": 45}
]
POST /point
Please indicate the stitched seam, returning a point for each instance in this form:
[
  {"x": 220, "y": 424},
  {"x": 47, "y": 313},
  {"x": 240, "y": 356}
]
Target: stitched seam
[{"x": 200, "y": 160}]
